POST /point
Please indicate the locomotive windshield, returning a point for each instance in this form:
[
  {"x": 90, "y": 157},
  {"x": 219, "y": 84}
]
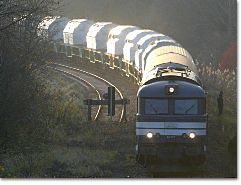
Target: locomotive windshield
[
  {"x": 156, "y": 106},
  {"x": 187, "y": 107},
  {"x": 161, "y": 106}
]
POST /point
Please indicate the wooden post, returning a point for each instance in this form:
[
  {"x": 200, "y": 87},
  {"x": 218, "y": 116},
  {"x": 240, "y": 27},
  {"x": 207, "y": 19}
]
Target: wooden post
[
  {"x": 89, "y": 109},
  {"x": 124, "y": 115}
]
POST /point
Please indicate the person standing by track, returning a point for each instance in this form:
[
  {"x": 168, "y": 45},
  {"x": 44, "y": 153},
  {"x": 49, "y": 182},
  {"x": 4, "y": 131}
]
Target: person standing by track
[{"x": 220, "y": 102}]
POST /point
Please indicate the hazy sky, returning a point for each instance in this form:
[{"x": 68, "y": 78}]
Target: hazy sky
[{"x": 191, "y": 22}]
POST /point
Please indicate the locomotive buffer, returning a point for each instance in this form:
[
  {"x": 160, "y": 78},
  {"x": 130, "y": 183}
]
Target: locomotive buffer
[{"x": 110, "y": 101}]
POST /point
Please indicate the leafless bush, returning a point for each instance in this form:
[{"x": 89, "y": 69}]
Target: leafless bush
[{"x": 215, "y": 80}]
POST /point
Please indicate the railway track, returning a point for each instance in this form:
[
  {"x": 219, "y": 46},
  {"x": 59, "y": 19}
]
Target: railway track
[
  {"x": 98, "y": 84},
  {"x": 87, "y": 85}
]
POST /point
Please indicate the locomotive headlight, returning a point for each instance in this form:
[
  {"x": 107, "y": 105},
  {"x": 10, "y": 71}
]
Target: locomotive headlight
[
  {"x": 192, "y": 135},
  {"x": 171, "y": 90},
  {"x": 149, "y": 135}
]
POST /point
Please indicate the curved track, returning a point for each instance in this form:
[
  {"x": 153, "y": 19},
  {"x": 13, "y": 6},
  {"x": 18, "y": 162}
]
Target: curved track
[
  {"x": 79, "y": 79},
  {"x": 100, "y": 85}
]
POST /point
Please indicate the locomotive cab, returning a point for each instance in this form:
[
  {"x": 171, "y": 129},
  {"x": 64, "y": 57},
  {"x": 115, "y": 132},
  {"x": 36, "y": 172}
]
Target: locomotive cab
[{"x": 171, "y": 120}]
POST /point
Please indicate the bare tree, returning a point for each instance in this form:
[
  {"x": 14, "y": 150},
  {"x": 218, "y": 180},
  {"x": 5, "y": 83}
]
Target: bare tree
[
  {"x": 19, "y": 21},
  {"x": 21, "y": 50}
]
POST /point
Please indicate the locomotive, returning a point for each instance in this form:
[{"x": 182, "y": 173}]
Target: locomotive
[
  {"x": 171, "y": 119},
  {"x": 171, "y": 116}
]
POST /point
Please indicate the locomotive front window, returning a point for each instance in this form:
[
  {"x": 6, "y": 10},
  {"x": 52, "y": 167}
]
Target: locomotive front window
[
  {"x": 156, "y": 106},
  {"x": 187, "y": 107}
]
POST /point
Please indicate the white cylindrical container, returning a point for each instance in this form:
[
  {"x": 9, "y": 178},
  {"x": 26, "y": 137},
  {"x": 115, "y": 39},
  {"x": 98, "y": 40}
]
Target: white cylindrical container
[
  {"x": 76, "y": 30},
  {"x": 97, "y": 35},
  {"x": 117, "y": 38},
  {"x": 130, "y": 46}
]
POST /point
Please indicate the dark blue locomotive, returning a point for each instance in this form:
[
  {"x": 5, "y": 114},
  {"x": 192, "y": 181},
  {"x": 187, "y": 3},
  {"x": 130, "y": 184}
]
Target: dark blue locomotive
[{"x": 171, "y": 121}]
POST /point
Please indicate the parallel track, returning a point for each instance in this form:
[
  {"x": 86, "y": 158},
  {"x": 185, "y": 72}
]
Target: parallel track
[{"x": 70, "y": 72}]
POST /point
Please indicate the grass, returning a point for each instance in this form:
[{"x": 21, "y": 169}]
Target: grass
[
  {"x": 92, "y": 150},
  {"x": 72, "y": 146}
]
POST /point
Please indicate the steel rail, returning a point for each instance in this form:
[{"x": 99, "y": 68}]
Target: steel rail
[
  {"x": 96, "y": 76},
  {"x": 86, "y": 82}
]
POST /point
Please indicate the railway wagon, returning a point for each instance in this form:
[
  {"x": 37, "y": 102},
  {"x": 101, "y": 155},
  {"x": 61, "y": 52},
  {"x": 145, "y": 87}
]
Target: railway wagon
[
  {"x": 142, "y": 44},
  {"x": 96, "y": 39},
  {"x": 52, "y": 29},
  {"x": 75, "y": 36},
  {"x": 130, "y": 49},
  {"x": 115, "y": 44},
  {"x": 131, "y": 41},
  {"x": 164, "y": 41}
]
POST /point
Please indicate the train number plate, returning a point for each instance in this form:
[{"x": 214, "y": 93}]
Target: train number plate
[{"x": 171, "y": 137}]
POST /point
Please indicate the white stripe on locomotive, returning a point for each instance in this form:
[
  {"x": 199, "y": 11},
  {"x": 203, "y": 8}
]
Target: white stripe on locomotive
[
  {"x": 171, "y": 128},
  {"x": 171, "y": 124}
]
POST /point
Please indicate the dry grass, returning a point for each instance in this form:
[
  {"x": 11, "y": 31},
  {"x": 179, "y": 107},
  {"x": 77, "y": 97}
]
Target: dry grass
[{"x": 72, "y": 147}]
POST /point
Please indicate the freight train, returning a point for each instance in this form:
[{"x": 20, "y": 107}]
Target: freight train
[{"x": 171, "y": 119}]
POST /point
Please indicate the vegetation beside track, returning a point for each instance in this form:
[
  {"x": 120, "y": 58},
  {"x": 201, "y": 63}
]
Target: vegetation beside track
[
  {"x": 53, "y": 138},
  {"x": 222, "y": 129},
  {"x": 37, "y": 122}
]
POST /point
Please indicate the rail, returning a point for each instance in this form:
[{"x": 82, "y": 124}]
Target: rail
[{"x": 95, "y": 76}]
